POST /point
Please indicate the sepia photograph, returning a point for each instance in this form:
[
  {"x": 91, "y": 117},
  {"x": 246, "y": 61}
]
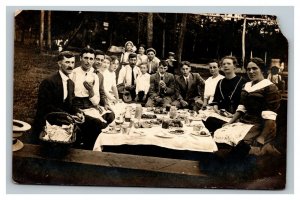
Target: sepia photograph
[{"x": 150, "y": 99}]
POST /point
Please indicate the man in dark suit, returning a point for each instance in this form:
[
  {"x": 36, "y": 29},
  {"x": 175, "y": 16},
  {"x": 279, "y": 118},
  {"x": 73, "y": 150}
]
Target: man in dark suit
[
  {"x": 187, "y": 88},
  {"x": 161, "y": 87},
  {"x": 56, "y": 93}
]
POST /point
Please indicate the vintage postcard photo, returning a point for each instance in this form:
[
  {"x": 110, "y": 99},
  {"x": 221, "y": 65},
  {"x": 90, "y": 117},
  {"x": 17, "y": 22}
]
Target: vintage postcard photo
[{"x": 141, "y": 99}]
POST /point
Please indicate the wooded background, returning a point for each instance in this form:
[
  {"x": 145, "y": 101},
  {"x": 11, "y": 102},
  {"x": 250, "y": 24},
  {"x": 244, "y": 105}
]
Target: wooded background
[{"x": 193, "y": 37}]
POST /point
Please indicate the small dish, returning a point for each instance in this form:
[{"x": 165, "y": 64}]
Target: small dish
[{"x": 200, "y": 134}]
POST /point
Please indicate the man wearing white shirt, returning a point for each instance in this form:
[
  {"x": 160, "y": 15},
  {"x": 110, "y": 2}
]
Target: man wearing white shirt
[
  {"x": 142, "y": 84},
  {"x": 128, "y": 74},
  {"x": 98, "y": 67},
  {"x": 87, "y": 96},
  {"x": 211, "y": 82},
  {"x": 86, "y": 82}
]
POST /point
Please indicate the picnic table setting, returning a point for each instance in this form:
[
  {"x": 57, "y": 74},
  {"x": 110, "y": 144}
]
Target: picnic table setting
[{"x": 164, "y": 127}]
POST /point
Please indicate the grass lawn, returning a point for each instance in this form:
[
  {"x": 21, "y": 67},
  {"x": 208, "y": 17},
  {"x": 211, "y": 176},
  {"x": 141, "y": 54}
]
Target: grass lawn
[{"x": 30, "y": 68}]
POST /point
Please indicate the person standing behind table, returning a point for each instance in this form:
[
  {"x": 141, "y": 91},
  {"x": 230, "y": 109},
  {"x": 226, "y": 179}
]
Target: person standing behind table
[
  {"x": 56, "y": 93},
  {"x": 142, "y": 84},
  {"x": 124, "y": 60},
  {"x": 129, "y": 48},
  {"x": 152, "y": 61},
  {"x": 172, "y": 64},
  {"x": 128, "y": 74},
  {"x": 162, "y": 86},
  {"x": 187, "y": 88},
  {"x": 110, "y": 85},
  {"x": 87, "y": 97},
  {"x": 276, "y": 78},
  {"x": 211, "y": 83},
  {"x": 260, "y": 100},
  {"x": 99, "y": 68},
  {"x": 141, "y": 56},
  {"x": 227, "y": 94}
]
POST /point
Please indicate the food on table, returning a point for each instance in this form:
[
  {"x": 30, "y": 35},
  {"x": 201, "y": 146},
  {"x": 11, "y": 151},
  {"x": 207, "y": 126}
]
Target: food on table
[
  {"x": 177, "y": 132},
  {"x": 148, "y": 116},
  {"x": 160, "y": 111},
  {"x": 200, "y": 133},
  {"x": 181, "y": 117},
  {"x": 156, "y": 121},
  {"x": 119, "y": 120},
  {"x": 149, "y": 109},
  {"x": 144, "y": 124},
  {"x": 175, "y": 123}
]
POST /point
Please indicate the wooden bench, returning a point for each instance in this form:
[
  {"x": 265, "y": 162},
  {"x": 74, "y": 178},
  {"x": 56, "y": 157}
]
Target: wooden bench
[{"x": 82, "y": 167}]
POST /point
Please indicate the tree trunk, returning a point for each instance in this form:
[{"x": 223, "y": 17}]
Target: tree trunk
[
  {"x": 243, "y": 44},
  {"x": 174, "y": 36},
  {"x": 164, "y": 37},
  {"x": 42, "y": 27},
  {"x": 181, "y": 36},
  {"x": 49, "y": 31},
  {"x": 150, "y": 29}
]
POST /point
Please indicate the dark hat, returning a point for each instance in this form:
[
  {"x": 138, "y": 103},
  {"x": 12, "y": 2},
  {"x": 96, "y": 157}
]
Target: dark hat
[
  {"x": 150, "y": 49},
  {"x": 132, "y": 55}
]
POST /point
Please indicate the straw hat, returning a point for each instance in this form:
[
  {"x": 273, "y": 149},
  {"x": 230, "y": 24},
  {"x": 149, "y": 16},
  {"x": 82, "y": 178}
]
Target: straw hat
[{"x": 19, "y": 127}]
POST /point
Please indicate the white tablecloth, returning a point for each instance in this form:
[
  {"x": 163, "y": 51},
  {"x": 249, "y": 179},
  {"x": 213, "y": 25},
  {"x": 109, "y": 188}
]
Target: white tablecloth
[{"x": 159, "y": 137}]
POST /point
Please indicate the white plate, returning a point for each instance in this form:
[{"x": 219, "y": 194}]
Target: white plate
[{"x": 164, "y": 136}]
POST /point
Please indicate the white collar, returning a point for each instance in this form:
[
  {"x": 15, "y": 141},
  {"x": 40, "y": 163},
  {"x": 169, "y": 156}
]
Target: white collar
[
  {"x": 63, "y": 76},
  {"x": 250, "y": 88},
  {"x": 161, "y": 75},
  {"x": 186, "y": 77},
  {"x": 128, "y": 66}
]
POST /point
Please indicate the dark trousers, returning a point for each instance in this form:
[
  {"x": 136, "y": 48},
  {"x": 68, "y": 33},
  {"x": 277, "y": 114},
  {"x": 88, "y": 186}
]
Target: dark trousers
[
  {"x": 90, "y": 130},
  {"x": 212, "y": 124}
]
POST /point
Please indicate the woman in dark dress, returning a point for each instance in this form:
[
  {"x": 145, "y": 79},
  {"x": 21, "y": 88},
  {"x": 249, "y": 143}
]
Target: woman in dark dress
[
  {"x": 227, "y": 93},
  {"x": 259, "y": 102}
]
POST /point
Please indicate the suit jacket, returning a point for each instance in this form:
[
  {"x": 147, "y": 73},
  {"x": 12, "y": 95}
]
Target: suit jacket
[
  {"x": 154, "y": 64},
  {"x": 103, "y": 98},
  {"x": 51, "y": 99},
  {"x": 155, "y": 89},
  {"x": 190, "y": 91}
]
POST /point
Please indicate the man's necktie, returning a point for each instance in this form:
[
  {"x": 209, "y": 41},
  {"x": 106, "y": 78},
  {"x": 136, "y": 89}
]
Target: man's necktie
[
  {"x": 132, "y": 77},
  {"x": 70, "y": 91},
  {"x": 150, "y": 67}
]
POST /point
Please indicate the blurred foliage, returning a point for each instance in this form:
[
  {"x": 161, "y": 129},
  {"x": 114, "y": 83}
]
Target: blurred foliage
[{"x": 207, "y": 35}]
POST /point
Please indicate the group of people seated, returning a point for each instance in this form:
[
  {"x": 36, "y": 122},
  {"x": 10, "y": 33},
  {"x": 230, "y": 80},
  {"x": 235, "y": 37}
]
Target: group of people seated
[{"x": 101, "y": 81}]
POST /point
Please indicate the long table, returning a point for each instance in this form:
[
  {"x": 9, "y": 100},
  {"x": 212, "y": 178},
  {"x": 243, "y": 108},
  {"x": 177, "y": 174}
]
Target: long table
[{"x": 158, "y": 136}]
